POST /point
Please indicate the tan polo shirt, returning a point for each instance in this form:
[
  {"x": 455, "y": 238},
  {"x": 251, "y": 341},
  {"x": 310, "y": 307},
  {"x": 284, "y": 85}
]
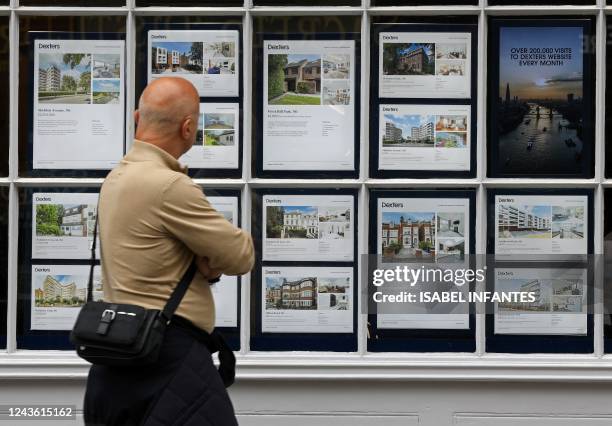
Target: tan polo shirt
[{"x": 153, "y": 218}]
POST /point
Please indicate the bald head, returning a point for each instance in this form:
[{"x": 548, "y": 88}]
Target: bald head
[{"x": 167, "y": 114}]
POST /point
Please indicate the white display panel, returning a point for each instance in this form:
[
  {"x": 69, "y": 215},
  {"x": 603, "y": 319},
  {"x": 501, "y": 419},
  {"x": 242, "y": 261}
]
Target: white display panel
[
  {"x": 308, "y": 227},
  {"x": 207, "y": 58},
  {"x": 559, "y": 304},
  {"x": 63, "y": 225},
  {"x": 225, "y": 292},
  {"x": 78, "y": 104},
  {"x": 309, "y": 105},
  {"x": 424, "y": 230},
  {"x": 424, "y": 65},
  {"x": 307, "y": 300},
  {"x": 530, "y": 225},
  {"x": 58, "y": 293},
  {"x": 217, "y": 142},
  {"x": 424, "y": 137}
]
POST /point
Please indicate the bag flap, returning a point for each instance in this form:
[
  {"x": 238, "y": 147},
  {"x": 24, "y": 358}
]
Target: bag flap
[{"x": 123, "y": 330}]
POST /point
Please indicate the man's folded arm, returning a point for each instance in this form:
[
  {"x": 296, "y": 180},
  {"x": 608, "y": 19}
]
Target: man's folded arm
[{"x": 187, "y": 214}]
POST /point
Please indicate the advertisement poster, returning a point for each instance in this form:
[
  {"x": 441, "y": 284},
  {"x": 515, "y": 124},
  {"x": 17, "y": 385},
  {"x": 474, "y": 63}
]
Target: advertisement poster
[
  {"x": 424, "y": 230},
  {"x": 58, "y": 292},
  {"x": 424, "y": 137},
  {"x": 424, "y": 65},
  {"x": 63, "y": 225},
  {"x": 540, "y": 110},
  {"x": 207, "y": 58},
  {"x": 225, "y": 295},
  {"x": 216, "y": 145},
  {"x": 308, "y": 227},
  {"x": 225, "y": 292},
  {"x": 559, "y": 303},
  {"x": 79, "y": 110},
  {"x": 307, "y": 300},
  {"x": 528, "y": 225},
  {"x": 309, "y": 105}
]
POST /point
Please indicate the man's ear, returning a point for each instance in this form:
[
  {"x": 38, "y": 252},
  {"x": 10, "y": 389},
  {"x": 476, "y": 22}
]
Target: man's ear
[
  {"x": 136, "y": 117},
  {"x": 186, "y": 128}
]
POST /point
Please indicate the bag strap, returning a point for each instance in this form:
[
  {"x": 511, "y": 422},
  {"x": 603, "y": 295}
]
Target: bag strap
[
  {"x": 93, "y": 258},
  {"x": 175, "y": 297}
]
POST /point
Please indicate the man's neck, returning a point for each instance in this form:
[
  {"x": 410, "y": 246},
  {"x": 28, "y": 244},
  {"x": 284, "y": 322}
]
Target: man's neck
[{"x": 172, "y": 147}]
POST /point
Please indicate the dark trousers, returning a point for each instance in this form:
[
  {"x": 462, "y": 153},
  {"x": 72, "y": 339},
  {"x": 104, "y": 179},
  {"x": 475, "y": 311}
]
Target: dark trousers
[{"x": 182, "y": 388}]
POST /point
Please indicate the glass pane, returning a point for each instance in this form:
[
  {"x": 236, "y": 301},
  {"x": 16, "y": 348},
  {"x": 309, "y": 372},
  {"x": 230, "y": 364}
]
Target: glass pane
[
  {"x": 209, "y": 3},
  {"x": 608, "y": 171},
  {"x": 4, "y": 103},
  {"x": 423, "y": 2},
  {"x": 53, "y": 263},
  {"x": 3, "y": 258},
  {"x": 608, "y": 268},
  {"x": 536, "y": 2},
  {"x": 95, "y": 26},
  {"x": 96, "y": 3},
  {"x": 307, "y": 3}
]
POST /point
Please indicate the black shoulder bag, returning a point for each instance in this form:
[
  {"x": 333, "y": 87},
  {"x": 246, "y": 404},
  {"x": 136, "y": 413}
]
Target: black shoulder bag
[{"x": 123, "y": 334}]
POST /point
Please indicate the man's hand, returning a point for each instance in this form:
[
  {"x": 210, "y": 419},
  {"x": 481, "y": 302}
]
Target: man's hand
[{"x": 205, "y": 269}]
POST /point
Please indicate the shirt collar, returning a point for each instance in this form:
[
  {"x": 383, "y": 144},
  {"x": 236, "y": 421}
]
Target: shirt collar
[{"x": 144, "y": 151}]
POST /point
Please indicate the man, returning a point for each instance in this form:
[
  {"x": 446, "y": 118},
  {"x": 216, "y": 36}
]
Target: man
[{"x": 153, "y": 220}]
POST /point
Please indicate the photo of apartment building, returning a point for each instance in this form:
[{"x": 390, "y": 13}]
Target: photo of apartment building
[
  {"x": 523, "y": 221},
  {"x": 539, "y": 288},
  {"x": 300, "y": 293},
  {"x": 49, "y": 79},
  {"x": 414, "y": 131},
  {"x": 60, "y": 291},
  {"x": 408, "y": 236}
]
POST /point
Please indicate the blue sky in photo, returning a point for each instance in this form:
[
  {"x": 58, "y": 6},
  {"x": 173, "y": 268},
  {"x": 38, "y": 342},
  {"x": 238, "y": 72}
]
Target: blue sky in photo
[
  {"x": 276, "y": 281},
  {"x": 300, "y": 209},
  {"x": 180, "y": 46},
  {"x": 106, "y": 85},
  {"x": 299, "y": 57},
  {"x": 541, "y": 211},
  {"x": 407, "y": 122},
  {"x": 418, "y": 216},
  {"x": 415, "y": 46},
  {"x": 62, "y": 279},
  {"x": 45, "y": 60}
]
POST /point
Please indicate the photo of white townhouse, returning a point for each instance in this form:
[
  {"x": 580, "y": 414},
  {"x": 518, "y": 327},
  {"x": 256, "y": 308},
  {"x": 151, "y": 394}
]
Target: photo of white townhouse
[
  {"x": 523, "y": 221},
  {"x": 292, "y": 222}
]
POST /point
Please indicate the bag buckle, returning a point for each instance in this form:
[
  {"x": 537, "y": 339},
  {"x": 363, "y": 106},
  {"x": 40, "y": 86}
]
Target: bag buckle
[{"x": 107, "y": 317}]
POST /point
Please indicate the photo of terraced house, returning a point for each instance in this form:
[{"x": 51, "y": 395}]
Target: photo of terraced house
[
  {"x": 568, "y": 222},
  {"x": 412, "y": 131},
  {"x": 176, "y": 57},
  {"x": 408, "y": 236},
  {"x": 65, "y": 220},
  {"x": 291, "y": 293},
  {"x": 60, "y": 291},
  {"x": 64, "y": 78},
  {"x": 514, "y": 221},
  {"x": 294, "y": 79},
  {"x": 450, "y": 232},
  {"x": 292, "y": 222},
  {"x": 409, "y": 58}
]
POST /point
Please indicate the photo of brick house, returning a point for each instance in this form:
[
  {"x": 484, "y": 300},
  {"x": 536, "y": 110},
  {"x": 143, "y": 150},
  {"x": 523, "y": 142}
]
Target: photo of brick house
[
  {"x": 294, "y": 79},
  {"x": 291, "y": 293},
  {"x": 408, "y": 235},
  {"x": 409, "y": 58}
]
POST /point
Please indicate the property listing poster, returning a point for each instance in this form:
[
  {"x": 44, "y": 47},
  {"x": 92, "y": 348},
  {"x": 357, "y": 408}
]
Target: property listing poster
[
  {"x": 207, "y": 58},
  {"x": 63, "y": 225},
  {"x": 216, "y": 145},
  {"x": 308, "y": 227},
  {"x": 425, "y": 230},
  {"x": 531, "y": 225},
  {"x": 540, "y": 107},
  {"x": 559, "y": 304},
  {"x": 424, "y": 137},
  {"x": 424, "y": 65},
  {"x": 58, "y": 293},
  {"x": 309, "y": 105},
  {"x": 225, "y": 292},
  {"x": 78, "y": 104},
  {"x": 307, "y": 300}
]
